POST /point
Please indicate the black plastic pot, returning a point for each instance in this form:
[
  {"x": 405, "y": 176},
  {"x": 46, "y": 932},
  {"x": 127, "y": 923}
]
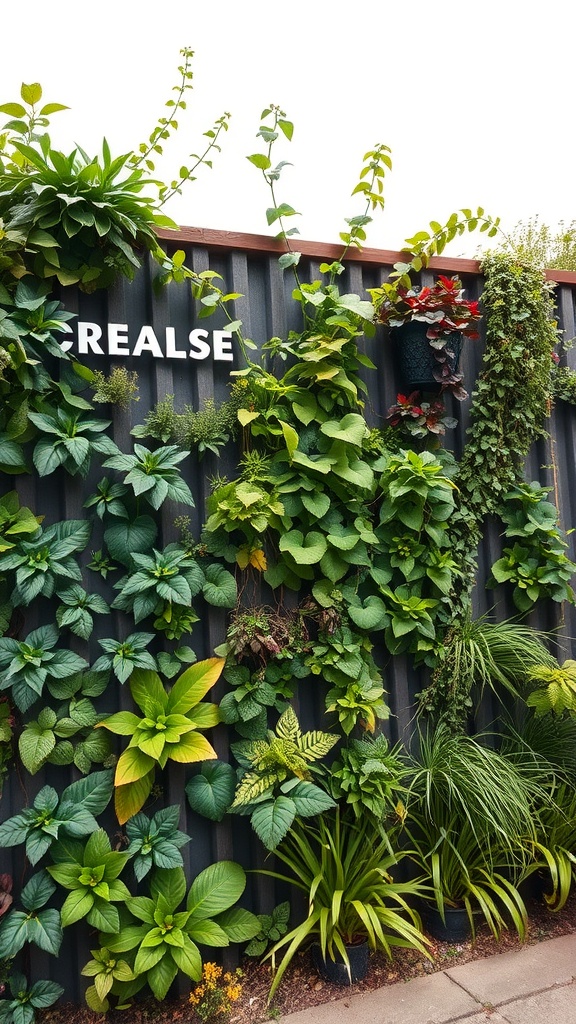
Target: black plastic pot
[
  {"x": 415, "y": 356},
  {"x": 454, "y": 928},
  {"x": 336, "y": 970}
]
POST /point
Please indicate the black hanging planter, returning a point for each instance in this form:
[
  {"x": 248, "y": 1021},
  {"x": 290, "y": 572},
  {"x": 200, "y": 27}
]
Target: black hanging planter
[
  {"x": 336, "y": 970},
  {"x": 415, "y": 356},
  {"x": 455, "y": 927}
]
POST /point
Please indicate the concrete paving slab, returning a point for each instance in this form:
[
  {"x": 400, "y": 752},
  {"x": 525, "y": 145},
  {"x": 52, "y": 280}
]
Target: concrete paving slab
[
  {"x": 507, "y": 976},
  {"x": 434, "y": 999},
  {"x": 554, "y": 1006},
  {"x": 485, "y": 1017}
]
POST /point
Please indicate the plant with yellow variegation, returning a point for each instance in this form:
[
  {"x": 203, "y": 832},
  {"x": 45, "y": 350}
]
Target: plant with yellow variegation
[{"x": 169, "y": 729}]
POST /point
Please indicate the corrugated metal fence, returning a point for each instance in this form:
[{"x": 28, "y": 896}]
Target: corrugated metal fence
[{"x": 249, "y": 265}]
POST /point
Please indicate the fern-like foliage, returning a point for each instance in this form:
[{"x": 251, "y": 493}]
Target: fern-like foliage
[
  {"x": 558, "y": 694},
  {"x": 276, "y": 786},
  {"x": 287, "y": 753}
]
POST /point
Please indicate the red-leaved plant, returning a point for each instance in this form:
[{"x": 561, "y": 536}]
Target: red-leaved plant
[{"x": 419, "y": 418}]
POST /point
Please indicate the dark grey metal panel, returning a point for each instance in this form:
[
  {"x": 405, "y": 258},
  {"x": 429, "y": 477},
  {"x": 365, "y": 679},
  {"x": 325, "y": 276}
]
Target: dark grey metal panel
[{"x": 266, "y": 309}]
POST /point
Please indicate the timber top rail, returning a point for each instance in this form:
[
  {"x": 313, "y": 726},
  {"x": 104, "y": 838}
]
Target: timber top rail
[{"x": 225, "y": 241}]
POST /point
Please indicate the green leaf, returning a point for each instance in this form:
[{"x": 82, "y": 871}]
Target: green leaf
[
  {"x": 215, "y": 889},
  {"x": 305, "y": 550},
  {"x": 272, "y": 820},
  {"x": 34, "y": 746},
  {"x": 220, "y": 587},
  {"x": 258, "y": 159},
  {"x": 124, "y": 539},
  {"x": 45, "y": 930},
  {"x": 211, "y": 792}
]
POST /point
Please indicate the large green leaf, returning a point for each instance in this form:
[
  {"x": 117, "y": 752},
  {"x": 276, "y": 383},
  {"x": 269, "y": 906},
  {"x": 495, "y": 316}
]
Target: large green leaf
[
  {"x": 240, "y": 925},
  {"x": 220, "y": 587},
  {"x": 123, "y": 539},
  {"x": 93, "y": 793},
  {"x": 305, "y": 550},
  {"x": 272, "y": 819},
  {"x": 34, "y": 745},
  {"x": 13, "y": 934},
  {"x": 77, "y": 905},
  {"x": 351, "y": 428},
  {"x": 215, "y": 889},
  {"x": 45, "y": 930},
  {"x": 211, "y": 792},
  {"x": 161, "y": 976},
  {"x": 193, "y": 685},
  {"x": 369, "y": 615}
]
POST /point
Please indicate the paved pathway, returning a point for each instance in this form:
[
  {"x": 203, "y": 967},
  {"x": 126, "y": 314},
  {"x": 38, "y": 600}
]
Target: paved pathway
[{"x": 533, "y": 985}]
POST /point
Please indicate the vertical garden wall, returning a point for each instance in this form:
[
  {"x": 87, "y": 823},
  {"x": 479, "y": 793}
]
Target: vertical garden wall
[
  {"x": 250, "y": 574},
  {"x": 105, "y": 533}
]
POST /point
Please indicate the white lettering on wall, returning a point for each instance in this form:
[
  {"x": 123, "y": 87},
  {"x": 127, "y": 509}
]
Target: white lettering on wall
[
  {"x": 88, "y": 336},
  {"x": 118, "y": 340},
  {"x": 171, "y": 351},
  {"x": 148, "y": 342},
  {"x": 223, "y": 345},
  {"x": 199, "y": 348}
]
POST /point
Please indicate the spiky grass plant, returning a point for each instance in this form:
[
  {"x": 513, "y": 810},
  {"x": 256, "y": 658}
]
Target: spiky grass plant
[{"x": 470, "y": 826}]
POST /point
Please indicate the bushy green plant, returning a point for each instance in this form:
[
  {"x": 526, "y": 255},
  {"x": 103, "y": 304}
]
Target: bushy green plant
[
  {"x": 83, "y": 219},
  {"x": 536, "y": 565},
  {"x": 90, "y": 873},
  {"x": 53, "y": 816},
  {"x": 343, "y": 866},
  {"x": 164, "y": 938},
  {"x": 468, "y": 825},
  {"x": 169, "y": 729},
  {"x": 275, "y": 785},
  {"x": 26, "y": 999},
  {"x": 480, "y": 653}
]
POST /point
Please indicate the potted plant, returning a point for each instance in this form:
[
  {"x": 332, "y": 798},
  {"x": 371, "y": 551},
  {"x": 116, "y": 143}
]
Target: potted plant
[
  {"x": 429, "y": 324},
  {"x": 468, "y": 825},
  {"x": 343, "y": 863}
]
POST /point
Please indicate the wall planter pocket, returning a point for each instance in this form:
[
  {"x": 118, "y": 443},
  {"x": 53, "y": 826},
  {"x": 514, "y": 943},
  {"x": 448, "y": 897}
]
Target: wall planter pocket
[{"x": 415, "y": 357}]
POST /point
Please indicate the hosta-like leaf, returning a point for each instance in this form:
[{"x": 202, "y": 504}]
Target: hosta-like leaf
[
  {"x": 123, "y": 539},
  {"x": 240, "y": 925},
  {"x": 37, "y": 844},
  {"x": 132, "y": 765},
  {"x": 45, "y": 993},
  {"x": 13, "y": 934},
  {"x": 211, "y": 792},
  {"x": 104, "y": 917},
  {"x": 77, "y": 905},
  {"x": 305, "y": 550},
  {"x": 351, "y": 429},
  {"x": 161, "y": 975},
  {"x": 94, "y": 792},
  {"x": 220, "y": 587},
  {"x": 128, "y": 800},
  {"x": 370, "y": 615},
  {"x": 45, "y": 930},
  {"x": 188, "y": 959},
  {"x": 193, "y": 685},
  {"x": 310, "y": 799},
  {"x": 191, "y": 747}
]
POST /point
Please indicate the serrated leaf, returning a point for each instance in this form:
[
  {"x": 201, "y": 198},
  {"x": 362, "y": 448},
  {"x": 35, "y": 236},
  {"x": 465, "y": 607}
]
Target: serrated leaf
[{"x": 272, "y": 820}]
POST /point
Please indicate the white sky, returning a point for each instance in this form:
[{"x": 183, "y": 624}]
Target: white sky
[{"x": 474, "y": 99}]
